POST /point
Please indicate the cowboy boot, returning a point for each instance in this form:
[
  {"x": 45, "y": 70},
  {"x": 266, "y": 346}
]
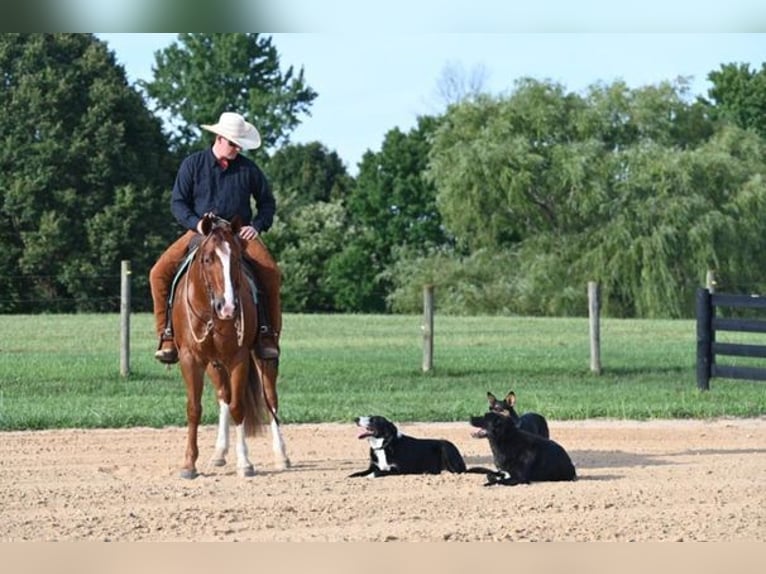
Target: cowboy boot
[
  {"x": 267, "y": 340},
  {"x": 166, "y": 351},
  {"x": 267, "y": 343}
]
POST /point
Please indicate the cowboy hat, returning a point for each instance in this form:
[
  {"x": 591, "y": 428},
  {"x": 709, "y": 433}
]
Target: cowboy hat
[{"x": 234, "y": 128}]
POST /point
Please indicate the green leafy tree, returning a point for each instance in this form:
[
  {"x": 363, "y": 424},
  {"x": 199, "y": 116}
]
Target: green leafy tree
[
  {"x": 310, "y": 184},
  {"x": 739, "y": 95},
  {"x": 317, "y": 233},
  {"x": 393, "y": 196},
  {"x": 306, "y": 173},
  {"x": 84, "y": 173},
  {"x": 201, "y": 75},
  {"x": 393, "y": 209},
  {"x": 507, "y": 168}
]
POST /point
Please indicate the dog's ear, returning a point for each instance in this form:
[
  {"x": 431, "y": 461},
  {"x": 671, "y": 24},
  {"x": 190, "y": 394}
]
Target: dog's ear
[
  {"x": 510, "y": 398},
  {"x": 491, "y": 398}
]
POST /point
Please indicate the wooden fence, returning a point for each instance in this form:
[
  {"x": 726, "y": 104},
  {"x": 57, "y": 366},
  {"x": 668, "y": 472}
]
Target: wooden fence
[
  {"x": 708, "y": 324},
  {"x": 594, "y": 311}
]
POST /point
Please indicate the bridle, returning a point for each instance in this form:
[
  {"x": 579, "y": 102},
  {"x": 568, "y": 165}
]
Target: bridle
[{"x": 239, "y": 322}]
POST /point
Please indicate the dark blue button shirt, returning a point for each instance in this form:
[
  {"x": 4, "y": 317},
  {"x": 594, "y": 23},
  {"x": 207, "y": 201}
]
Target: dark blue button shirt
[{"x": 203, "y": 186}]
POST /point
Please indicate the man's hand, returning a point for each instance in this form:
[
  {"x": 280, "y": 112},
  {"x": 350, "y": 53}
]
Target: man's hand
[{"x": 248, "y": 232}]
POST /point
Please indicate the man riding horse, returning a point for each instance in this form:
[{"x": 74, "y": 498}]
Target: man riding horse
[{"x": 221, "y": 181}]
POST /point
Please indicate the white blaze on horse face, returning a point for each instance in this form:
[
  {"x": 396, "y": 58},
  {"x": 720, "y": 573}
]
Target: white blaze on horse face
[{"x": 228, "y": 308}]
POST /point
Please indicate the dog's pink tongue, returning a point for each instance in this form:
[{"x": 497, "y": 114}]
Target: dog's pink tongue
[{"x": 364, "y": 434}]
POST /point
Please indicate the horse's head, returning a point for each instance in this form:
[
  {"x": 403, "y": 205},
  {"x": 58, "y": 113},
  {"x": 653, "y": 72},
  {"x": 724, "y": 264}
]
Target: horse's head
[{"x": 220, "y": 255}]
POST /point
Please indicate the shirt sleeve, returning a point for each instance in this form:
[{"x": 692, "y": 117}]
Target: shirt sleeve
[
  {"x": 182, "y": 197},
  {"x": 265, "y": 204}
]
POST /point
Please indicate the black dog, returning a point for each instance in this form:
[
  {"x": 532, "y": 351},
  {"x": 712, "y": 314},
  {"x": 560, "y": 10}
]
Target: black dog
[
  {"x": 391, "y": 452},
  {"x": 521, "y": 457},
  {"x": 530, "y": 422}
]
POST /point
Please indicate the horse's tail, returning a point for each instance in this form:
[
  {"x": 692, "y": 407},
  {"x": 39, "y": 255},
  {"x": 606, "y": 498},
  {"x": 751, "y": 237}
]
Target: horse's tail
[{"x": 255, "y": 403}]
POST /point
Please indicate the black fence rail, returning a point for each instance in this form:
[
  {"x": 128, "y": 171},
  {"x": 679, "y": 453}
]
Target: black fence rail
[{"x": 708, "y": 324}]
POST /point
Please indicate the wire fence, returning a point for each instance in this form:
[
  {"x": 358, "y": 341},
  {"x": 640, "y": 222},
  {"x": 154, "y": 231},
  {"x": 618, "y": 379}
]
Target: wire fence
[{"x": 25, "y": 294}]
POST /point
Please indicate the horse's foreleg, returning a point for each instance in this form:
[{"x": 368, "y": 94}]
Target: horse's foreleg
[
  {"x": 222, "y": 440},
  {"x": 268, "y": 371},
  {"x": 193, "y": 376},
  {"x": 220, "y": 380}
]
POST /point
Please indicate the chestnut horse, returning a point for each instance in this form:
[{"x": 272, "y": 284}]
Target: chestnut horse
[{"x": 215, "y": 324}]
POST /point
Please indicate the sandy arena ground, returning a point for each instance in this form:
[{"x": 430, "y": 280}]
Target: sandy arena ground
[{"x": 642, "y": 481}]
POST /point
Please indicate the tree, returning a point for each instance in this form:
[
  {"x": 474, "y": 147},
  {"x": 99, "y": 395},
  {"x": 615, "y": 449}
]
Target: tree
[
  {"x": 202, "y": 75},
  {"x": 455, "y": 85},
  {"x": 507, "y": 168},
  {"x": 84, "y": 173},
  {"x": 392, "y": 207},
  {"x": 310, "y": 185},
  {"x": 316, "y": 233},
  {"x": 637, "y": 189},
  {"x": 739, "y": 95},
  {"x": 306, "y": 173}
]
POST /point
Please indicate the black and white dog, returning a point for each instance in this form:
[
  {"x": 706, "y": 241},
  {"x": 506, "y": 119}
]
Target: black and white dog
[
  {"x": 530, "y": 422},
  {"x": 521, "y": 457},
  {"x": 392, "y": 452}
]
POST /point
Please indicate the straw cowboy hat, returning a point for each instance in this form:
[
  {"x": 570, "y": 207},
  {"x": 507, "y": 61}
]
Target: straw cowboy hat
[{"x": 235, "y": 129}]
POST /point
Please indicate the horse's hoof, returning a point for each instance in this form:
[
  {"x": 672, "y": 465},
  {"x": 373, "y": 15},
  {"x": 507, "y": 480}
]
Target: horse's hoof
[
  {"x": 283, "y": 464},
  {"x": 189, "y": 474},
  {"x": 246, "y": 471},
  {"x": 218, "y": 461}
]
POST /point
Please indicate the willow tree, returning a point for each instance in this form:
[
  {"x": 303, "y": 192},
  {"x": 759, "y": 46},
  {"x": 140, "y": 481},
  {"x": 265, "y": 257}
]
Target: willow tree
[
  {"x": 635, "y": 188},
  {"x": 679, "y": 213}
]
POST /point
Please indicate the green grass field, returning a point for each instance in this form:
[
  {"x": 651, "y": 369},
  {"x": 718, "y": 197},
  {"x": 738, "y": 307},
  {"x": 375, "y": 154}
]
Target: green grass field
[{"x": 59, "y": 371}]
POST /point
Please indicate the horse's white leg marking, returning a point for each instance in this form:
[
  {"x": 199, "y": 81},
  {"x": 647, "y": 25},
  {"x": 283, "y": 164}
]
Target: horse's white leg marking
[
  {"x": 278, "y": 445},
  {"x": 224, "y": 254},
  {"x": 244, "y": 466},
  {"x": 222, "y": 440}
]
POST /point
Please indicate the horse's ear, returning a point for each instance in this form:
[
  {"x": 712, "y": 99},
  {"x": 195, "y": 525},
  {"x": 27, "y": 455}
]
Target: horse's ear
[
  {"x": 207, "y": 224},
  {"x": 236, "y": 224}
]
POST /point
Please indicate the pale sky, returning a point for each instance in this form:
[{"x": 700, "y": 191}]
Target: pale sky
[{"x": 371, "y": 82}]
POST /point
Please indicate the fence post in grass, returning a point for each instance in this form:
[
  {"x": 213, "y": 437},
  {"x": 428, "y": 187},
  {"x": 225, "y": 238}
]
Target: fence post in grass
[
  {"x": 594, "y": 311},
  {"x": 428, "y": 328},
  {"x": 125, "y": 318},
  {"x": 704, "y": 339}
]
